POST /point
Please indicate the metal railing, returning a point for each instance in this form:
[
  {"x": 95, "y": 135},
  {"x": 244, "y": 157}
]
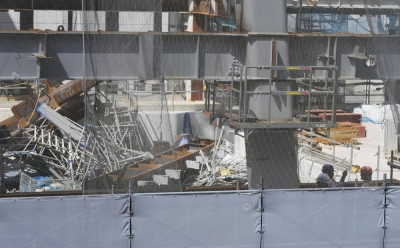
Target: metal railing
[{"x": 238, "y": 90}]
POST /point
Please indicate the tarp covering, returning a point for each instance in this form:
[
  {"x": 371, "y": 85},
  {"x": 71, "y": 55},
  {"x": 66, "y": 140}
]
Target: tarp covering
[
  {"x": 332, "y": 218},
  {"x": 70, "y": 222},
  {"x": 376, "y": 113},
  {"x": 349, "y": 217},
  {"x": 196, "y": 220}
]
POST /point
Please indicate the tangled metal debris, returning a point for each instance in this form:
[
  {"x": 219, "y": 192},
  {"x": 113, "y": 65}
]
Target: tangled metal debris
[
  {"x": 222, "y": 166},
  {"x": 54, "y": 151}
]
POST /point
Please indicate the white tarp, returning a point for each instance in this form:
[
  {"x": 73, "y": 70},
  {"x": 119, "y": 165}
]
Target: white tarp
[
  {"x": 330, "y": 218},
  {"x": 376, "y": 113},
  {"x": 65, "y": 222},
  {"x": 196, "y": 220}
]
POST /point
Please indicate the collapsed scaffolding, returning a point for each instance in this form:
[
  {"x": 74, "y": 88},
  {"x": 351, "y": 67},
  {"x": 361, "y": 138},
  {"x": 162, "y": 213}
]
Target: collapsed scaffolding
[{"x": 45, "y": 136}]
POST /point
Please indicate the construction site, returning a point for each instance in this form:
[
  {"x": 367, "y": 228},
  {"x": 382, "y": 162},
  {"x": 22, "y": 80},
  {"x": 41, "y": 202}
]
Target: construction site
[{"x": 199, "y": 123}]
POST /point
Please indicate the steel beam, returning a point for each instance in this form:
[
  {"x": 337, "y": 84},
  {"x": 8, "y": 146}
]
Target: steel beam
[
  {"x": 29, "y": 55},
  {"x": 117, "y": 55},
  {"x": 71, "y": 129},
  {"x": 343, "y": 6},
  {"x": 101, "y": 5},
  {"x": 343, "y": 11},
  {"x": 379, "y": 4},
  {"x": 279, "y": 124},
  {"x": 182, "y": 5}
]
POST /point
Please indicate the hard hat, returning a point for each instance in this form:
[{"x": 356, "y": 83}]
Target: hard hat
[
  {"x": 327, "y": 167},
  {"x": 366, "y": 170}
]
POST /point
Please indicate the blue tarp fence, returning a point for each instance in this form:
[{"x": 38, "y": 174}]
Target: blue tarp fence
[{"x": 348, "y": 217}]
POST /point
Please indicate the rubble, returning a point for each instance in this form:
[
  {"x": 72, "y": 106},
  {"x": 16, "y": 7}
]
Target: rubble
[{"x": 222, "y": 167}]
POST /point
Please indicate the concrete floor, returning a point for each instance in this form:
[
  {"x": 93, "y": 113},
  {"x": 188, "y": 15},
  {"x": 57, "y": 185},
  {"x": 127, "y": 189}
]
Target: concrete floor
[{"x": 367, "y": 155}]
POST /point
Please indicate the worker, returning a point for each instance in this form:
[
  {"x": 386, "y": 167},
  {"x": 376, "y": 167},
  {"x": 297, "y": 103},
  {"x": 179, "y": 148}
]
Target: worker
[
  {"x": 326, "y": 180},
  {"x": 366, "y": 176}
]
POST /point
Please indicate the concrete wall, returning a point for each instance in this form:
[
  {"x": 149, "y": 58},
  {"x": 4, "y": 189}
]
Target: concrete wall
[{"x": 161, "y": 126}]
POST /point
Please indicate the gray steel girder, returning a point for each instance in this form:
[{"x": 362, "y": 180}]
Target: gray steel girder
[
  {"x": 114, "y": 56},
  {"x": 27, "y": 55},
  {"x": 344, "y": 6},
  {"x": 182, "y": 5},
  {"x": 101, "y": 5}
]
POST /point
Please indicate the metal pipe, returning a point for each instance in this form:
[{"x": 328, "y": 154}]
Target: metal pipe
[
  {"x": 311, "y": 141},
  {"x": 208, "y": 92},
  {"x": 270, "y": 99},
  {"x": 325, "y": 99},
  {"x": 304, "y": 93},
  {"x": 54, "y": 173},
  {"x": 245, "y": 95},
  {"x": 240, "y": 93},
  {"x": 351, "y": 150},
  {"x": 173, "y": 97},
  {"x": 300, "y": 16},
  {"x": 377, "y": 163},
  {"x": 309, "y": 98},
  {"x": 334, "y": 146},
  {"x": 313, "y": 87},
  {"x": 70, "y": 160},
  {"x": 391, "y": 167},
  {"x": 2, "y": 172},
  {"x": 130, "y": 186},
  {"x": 318, "y": 157},
  {"x": 214, "y": 95},
  {"x": 333, "y": 119},
  {"x": 231, "y": 94},
  {"x": 295, "y": 68},
  {"x": 384, "y": 180}
]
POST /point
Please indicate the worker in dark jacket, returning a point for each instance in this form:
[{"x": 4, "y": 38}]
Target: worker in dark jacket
[
  {"x": 366, "y": 176},
  {"x": 326, "y": 180}
]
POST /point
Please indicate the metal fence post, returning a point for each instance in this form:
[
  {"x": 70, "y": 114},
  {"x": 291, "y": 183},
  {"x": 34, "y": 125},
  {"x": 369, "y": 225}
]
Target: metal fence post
[
  {"x": 130, "y": 187},
  {"x": 2, "y": 172}
]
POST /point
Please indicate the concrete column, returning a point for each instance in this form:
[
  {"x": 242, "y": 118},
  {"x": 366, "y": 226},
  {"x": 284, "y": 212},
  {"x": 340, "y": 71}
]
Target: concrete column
[
  {"x": 272, "y": 154},
  {"x": 70, "y": 20},
  {"x": 26, "y": 20},
  {"x": 261, "y": 16},
  {"x": 112, "y": 21},
  {"x": 157, "y": 21}
]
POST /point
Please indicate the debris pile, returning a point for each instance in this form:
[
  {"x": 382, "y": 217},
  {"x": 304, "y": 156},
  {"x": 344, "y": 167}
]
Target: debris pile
[
  {"x": 221, "y": 167},
  {"x": 44, "y": 140}
]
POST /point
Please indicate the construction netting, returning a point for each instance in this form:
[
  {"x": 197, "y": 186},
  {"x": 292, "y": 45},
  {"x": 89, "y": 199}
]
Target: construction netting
[{"x": 197, "y": 95}]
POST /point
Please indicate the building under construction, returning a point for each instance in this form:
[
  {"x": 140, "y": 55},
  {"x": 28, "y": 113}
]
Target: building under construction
[{"x": 198, "y": 123}]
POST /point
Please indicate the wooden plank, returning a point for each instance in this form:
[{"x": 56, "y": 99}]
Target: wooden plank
[
  {"x": 181, "y": 153},
  {"x": 171, "y": 157},
  {"x": 143, "y": 166}
]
